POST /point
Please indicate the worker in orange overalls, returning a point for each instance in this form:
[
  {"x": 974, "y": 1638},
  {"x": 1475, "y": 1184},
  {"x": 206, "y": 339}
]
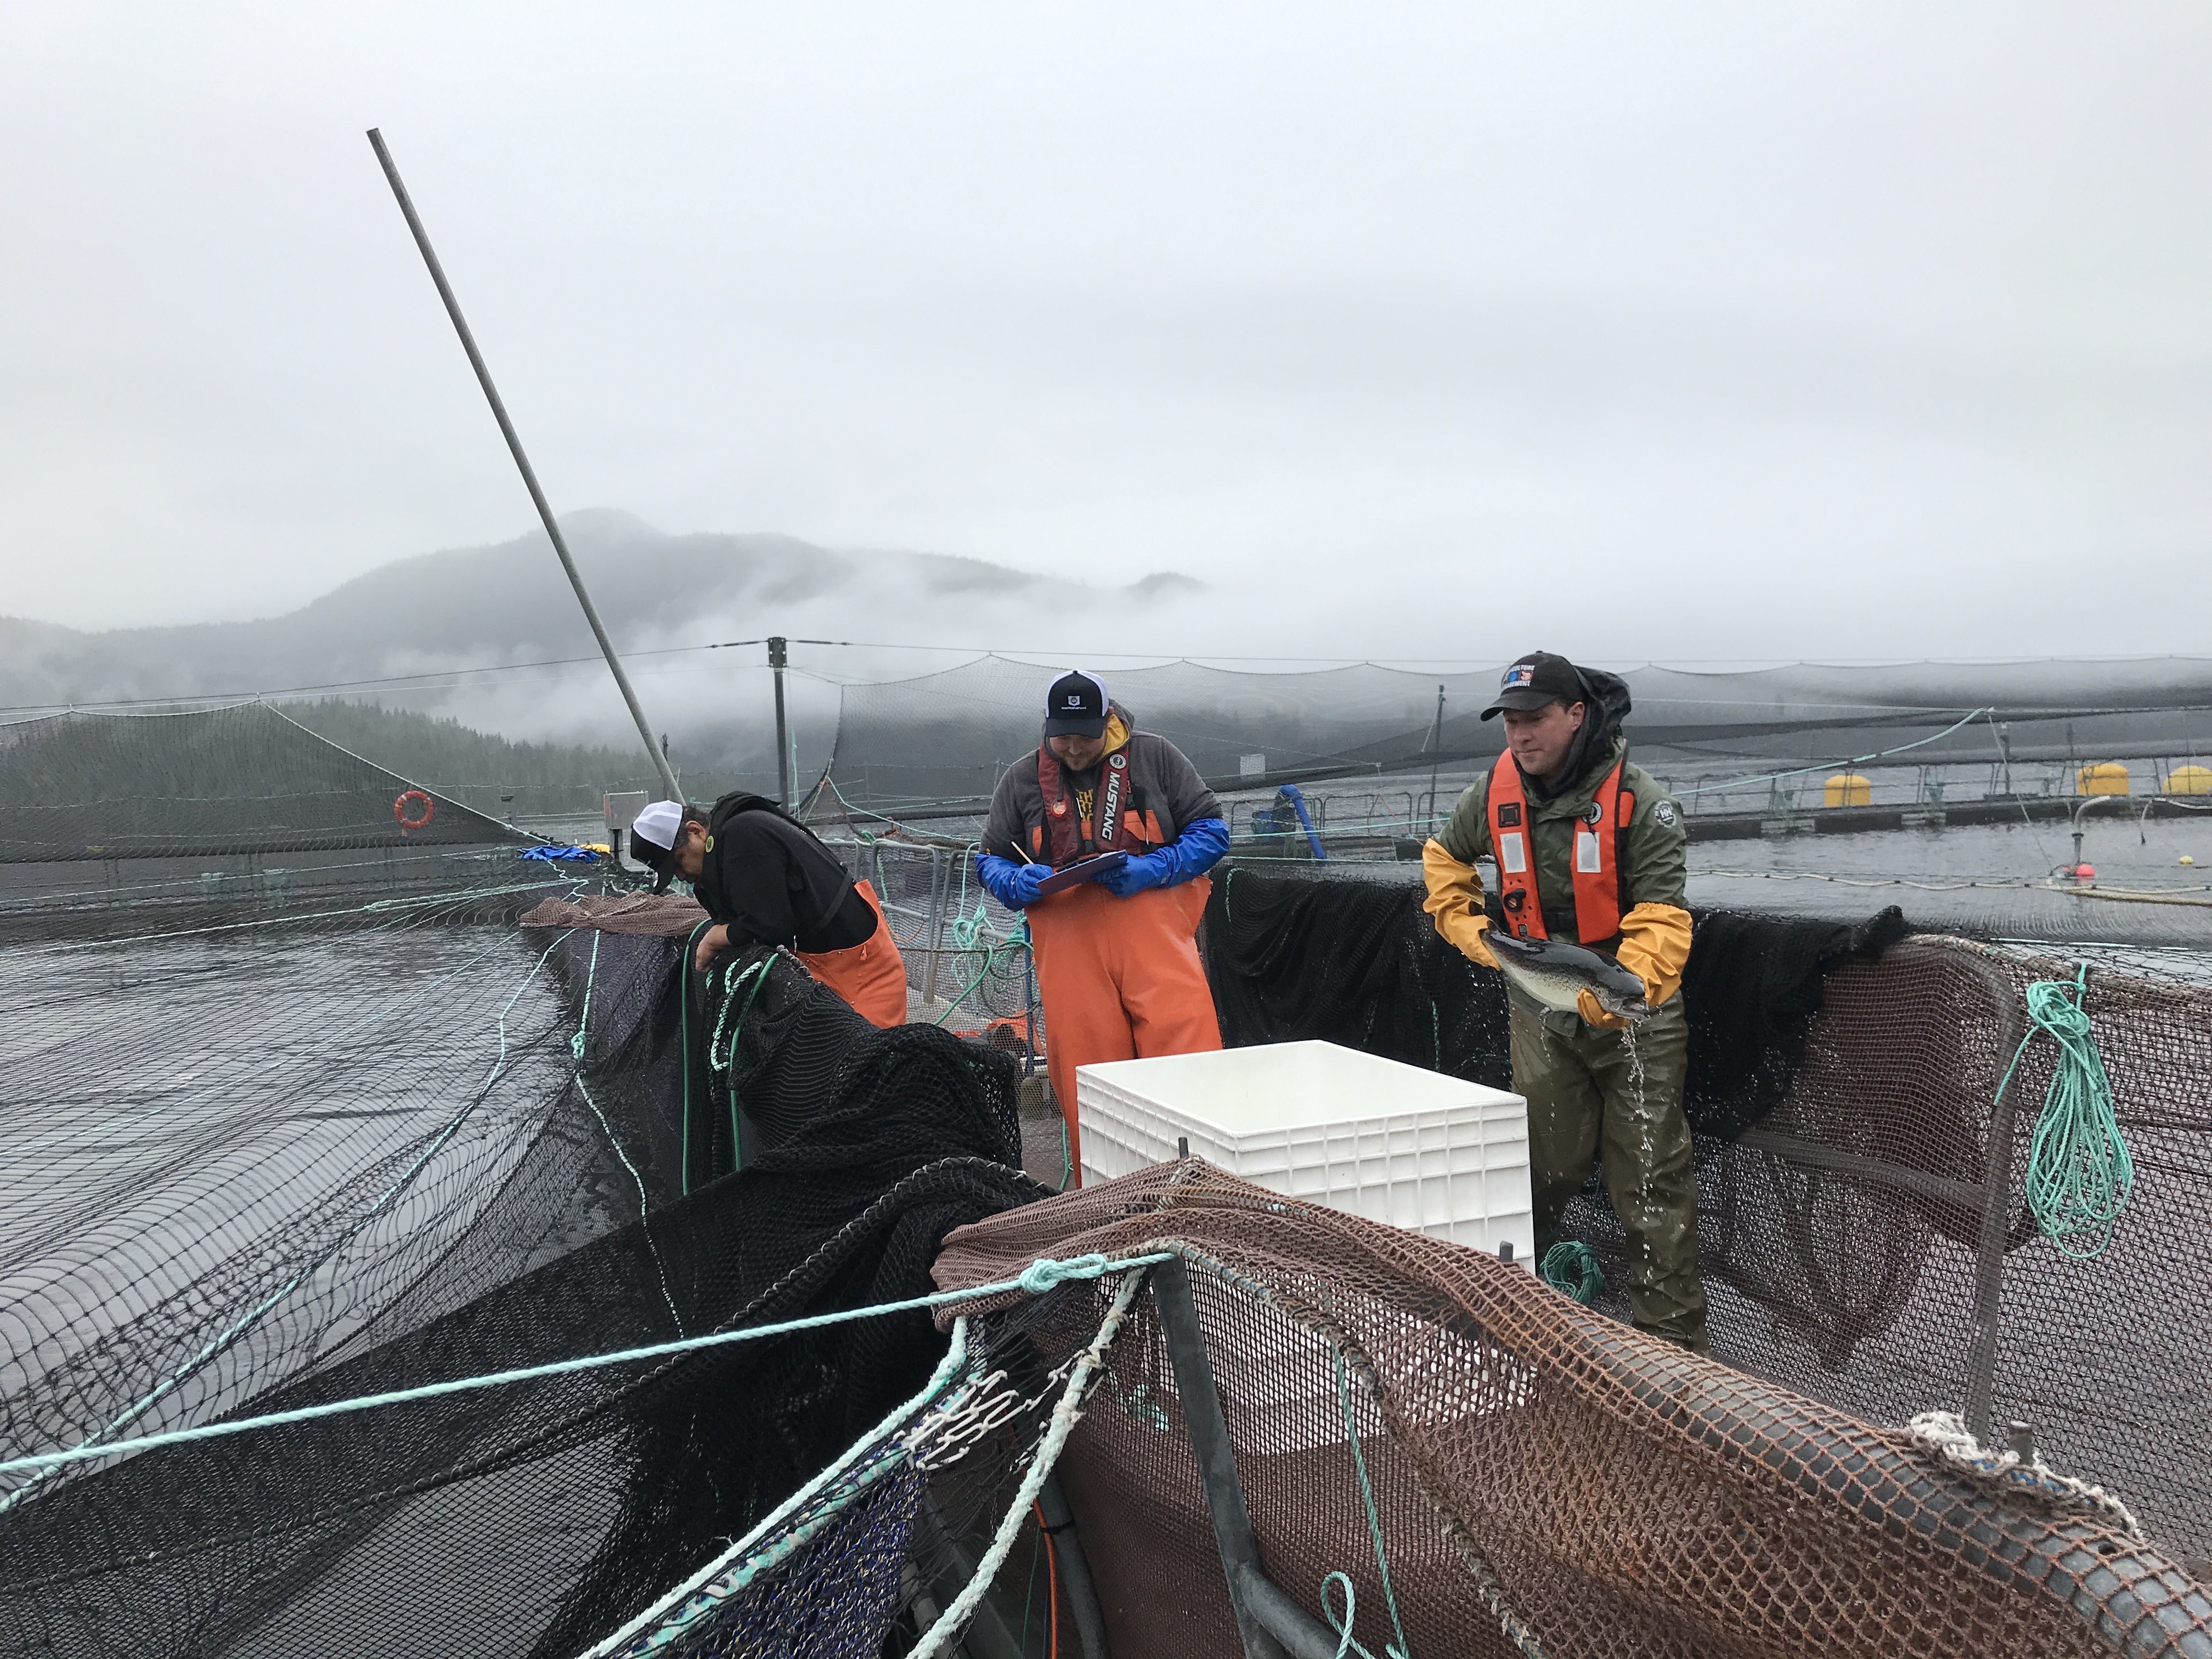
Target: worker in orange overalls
[
  {"x": 1117, "y": 959},
  {"x": 764, "y": 879}
]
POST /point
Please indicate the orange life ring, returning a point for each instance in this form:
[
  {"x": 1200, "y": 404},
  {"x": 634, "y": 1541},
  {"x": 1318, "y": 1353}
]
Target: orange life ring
[{"x": 399, "y": 811}]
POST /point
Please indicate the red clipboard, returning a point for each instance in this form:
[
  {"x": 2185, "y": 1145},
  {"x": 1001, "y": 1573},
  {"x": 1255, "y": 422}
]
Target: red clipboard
[{"x": 1076, "y": 874}]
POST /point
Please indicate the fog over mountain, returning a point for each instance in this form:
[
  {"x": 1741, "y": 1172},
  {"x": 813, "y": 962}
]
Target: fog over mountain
[{"x": 416, "y": 624}]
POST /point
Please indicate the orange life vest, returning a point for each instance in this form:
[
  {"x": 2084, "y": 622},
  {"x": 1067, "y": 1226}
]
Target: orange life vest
[
  {"x": 1597, "y": 862},
  {"x": 1118, "y": 821}
]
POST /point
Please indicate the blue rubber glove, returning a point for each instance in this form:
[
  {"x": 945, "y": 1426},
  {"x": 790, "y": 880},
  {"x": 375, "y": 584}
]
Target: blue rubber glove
[
  {"x": 1148, "y": 869},
  {"x": 1014, "y": 885},
  {"x": 1198, "y": 850},
  {"x": 1190, "y": 855}
]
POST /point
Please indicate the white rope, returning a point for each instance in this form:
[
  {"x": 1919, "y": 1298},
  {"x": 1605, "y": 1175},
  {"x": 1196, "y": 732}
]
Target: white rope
[
  {"x": 1065, "y": 1416},
  {"x": 2006, "y": 1473},
  {"x": 684, "y": 1604}
]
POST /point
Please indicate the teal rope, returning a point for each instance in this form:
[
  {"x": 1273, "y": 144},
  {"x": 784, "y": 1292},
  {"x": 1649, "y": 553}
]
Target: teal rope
[
  {"x": 591, "y": 978},
  {"x": 674, "y": 1615},
  {"x": 758, "y": 974},
  {"x": 1402, "y": 1648},
  {"x": 1039, "y": 1276},
  {"x": 684, "y": 975},
  {"x": 1570, "y": 1267},
  {"x": 2079, "y": 1174},
  {"x": 1348, "y": 1645},
  {"x": 966, "y": 932}
]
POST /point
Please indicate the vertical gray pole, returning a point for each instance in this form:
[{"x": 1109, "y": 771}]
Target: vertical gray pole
[
  {"x": 1270, "y": 1624},
  {"x": 778, "y": 655},
  {"x": 1436, "y": 757},
  {"x": 940, "y": 885},
  {"x": 522, "y": 461},
  {"x": 1997, "y": 1214}
]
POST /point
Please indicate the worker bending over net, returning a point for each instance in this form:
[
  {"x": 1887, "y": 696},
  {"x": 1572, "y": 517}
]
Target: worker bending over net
[{"x": 763, "y": 879}]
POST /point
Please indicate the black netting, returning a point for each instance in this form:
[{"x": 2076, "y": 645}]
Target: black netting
[
  {"x": 1358, "y": 962},
  {"x": 526, "y": 1518}
]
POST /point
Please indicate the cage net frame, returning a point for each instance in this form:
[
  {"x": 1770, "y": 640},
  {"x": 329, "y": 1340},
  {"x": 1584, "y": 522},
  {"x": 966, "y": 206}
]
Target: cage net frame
[
  {"x": 1864, "y": 1231},
  {"x": 1533, "y": 1466}
]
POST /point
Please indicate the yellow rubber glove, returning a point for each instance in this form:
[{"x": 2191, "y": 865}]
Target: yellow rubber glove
[
  {"x": 1586, "y": 1005},
  {"x": 1655, "y": 946},
  {"x": 1455, "y": 901}
]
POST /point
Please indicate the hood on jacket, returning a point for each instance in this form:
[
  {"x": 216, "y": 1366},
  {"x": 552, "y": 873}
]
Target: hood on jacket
[{"x": 1605, "y": 705}]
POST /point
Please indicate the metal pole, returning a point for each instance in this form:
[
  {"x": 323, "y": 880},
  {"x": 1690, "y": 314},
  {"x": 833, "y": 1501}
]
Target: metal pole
[
  {"x": 522, "y": 461},
  {"x": 1436, "y": 758},
  {"x": 1271, "y": 1624},
  {"x": 777, "y": 657}
]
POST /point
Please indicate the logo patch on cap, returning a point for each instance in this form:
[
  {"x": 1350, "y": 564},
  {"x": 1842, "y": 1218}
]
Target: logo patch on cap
[{"x": 1521, "y": 674}]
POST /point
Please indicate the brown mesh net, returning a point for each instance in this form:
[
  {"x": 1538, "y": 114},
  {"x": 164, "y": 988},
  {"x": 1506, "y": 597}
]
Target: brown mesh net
[{"x": 1535, "y": 1466}]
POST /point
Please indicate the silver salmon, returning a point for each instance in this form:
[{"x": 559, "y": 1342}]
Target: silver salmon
[{"x": 1553, "y": 974}]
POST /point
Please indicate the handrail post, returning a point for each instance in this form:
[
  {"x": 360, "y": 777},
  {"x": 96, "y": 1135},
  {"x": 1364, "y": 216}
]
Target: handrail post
[{"x": 1271, "y": 1624}]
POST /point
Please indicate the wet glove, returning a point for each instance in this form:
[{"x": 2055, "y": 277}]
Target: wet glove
[
  {"x": 1586, "y": 1005},
  {"x": 1014, "y": 885},
  {"x": 1454, "y": 900}
]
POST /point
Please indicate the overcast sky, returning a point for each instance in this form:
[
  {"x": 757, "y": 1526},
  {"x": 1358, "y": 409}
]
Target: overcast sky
[{"x": 1680, "y": 332}]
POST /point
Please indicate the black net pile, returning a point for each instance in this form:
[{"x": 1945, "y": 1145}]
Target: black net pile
[
  {"x": 1864, "y": 1232},
  {"x": 429, "y": 1153},
  {"x": 1358, "y": 962}
]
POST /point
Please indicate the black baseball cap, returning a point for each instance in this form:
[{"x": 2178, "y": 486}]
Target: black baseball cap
[
  {"x": 1076, "y": 706},
  {"x": 1536, "y": 681}
]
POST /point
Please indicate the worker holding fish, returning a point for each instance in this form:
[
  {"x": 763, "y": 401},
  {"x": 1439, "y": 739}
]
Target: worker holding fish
[{"x": 1589, "y": 849}]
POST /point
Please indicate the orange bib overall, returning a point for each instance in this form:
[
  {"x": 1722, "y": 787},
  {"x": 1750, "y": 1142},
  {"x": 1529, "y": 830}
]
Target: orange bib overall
[{"x": 872, "y": 975}]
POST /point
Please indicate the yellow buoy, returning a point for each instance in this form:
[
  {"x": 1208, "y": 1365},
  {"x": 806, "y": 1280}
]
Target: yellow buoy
[
  {"x": 1849, "y": 789},
  {"x": 2189, "y": 780},
  {"x": 2103, "y": 778},
  {"x": 2186, "y": 859}
]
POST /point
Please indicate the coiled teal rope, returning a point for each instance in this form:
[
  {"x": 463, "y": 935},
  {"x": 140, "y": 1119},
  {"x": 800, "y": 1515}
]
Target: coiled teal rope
[
  {"x": 1570, "y": 1267},
  {"x": 2080, "y": 1175},
  {"x": 972, "y": 932}
]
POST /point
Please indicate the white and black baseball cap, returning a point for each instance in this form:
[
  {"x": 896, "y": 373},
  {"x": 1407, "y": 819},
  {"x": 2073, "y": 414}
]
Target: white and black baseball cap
[
  {"x": 1076, "y": 706},
  {"x": 653, "y": 839}
]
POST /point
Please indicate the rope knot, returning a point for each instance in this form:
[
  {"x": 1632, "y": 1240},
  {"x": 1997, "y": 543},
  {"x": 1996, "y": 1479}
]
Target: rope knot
[{"x": 1044, "y": 1272}]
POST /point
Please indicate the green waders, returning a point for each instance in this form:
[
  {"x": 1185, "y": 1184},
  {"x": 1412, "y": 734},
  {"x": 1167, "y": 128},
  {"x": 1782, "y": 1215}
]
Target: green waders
[{"x": 1585, "y": 1104}]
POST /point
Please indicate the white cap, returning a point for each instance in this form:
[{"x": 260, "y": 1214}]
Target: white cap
[{"x": 658, "y": 823}]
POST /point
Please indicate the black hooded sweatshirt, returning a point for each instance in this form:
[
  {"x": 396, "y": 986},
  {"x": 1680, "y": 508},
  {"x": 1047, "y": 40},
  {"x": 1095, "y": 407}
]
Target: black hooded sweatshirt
[
  {"x": 1605, "y": 705},
  {"x": 768, "y": 879}
]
